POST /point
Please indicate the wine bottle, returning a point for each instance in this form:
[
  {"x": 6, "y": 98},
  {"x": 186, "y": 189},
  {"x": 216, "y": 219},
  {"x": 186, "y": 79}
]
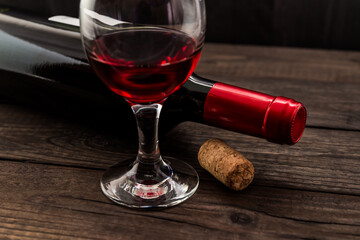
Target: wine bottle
[{"x": 53, "y": 73}]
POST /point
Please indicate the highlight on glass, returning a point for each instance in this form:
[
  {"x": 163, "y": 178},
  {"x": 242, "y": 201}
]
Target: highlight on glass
[{"x": 144, "y": 50}]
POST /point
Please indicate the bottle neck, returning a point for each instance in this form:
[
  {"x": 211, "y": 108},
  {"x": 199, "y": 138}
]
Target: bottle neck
[
  {"x": 277, "y": 119},
  {"x": 187, "y": 104}
]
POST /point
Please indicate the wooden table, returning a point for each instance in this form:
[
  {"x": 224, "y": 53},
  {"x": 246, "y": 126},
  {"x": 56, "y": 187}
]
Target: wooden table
[{"x": 50, "y": 167}]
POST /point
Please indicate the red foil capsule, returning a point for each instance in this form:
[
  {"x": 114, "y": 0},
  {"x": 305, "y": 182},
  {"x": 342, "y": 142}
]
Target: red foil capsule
[{"x": 278, "y": 119}]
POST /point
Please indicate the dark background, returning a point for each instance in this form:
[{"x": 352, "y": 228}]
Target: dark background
[{"x": 331, "y": 24}]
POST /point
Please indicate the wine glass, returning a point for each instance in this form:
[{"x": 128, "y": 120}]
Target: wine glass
[{"x": 144, "y": 50}]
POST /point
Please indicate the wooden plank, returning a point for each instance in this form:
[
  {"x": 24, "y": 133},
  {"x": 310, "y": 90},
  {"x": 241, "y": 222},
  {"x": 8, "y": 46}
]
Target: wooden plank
[
  {"x": 240, "y": 21},
  {"x": 49, "y": 183},
  {"x": 316, "y": 23},
  {"x": 305, "y": 23},
  {"x": 242, "y": 61},
  {"x": 327, "y": 82},
  {"x": 324, "y": 160},
  {"x": 251, "y": 22},
  {"x": 52, "y": 202}
]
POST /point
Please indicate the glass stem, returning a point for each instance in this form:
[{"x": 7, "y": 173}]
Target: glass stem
[{"x": 147, "y": 119}]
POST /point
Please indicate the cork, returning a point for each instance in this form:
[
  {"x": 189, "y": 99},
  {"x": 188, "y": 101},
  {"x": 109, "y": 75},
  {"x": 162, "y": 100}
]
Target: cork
[{"x": 226, "y": 164}]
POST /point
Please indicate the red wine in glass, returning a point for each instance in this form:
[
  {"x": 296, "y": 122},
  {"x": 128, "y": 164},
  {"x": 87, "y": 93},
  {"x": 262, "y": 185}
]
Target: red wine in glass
[{"x": 143, "y": 65}]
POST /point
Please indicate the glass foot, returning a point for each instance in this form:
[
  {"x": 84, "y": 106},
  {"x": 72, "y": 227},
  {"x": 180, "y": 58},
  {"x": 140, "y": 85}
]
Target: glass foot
[{"x": 144, "y": 185}]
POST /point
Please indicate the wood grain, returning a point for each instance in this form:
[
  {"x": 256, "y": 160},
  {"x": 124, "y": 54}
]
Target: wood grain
[
  {"x": 50, "y": 166},
  {"x": 332, "y": 164},
  {"x": 52, "y": 202}
]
